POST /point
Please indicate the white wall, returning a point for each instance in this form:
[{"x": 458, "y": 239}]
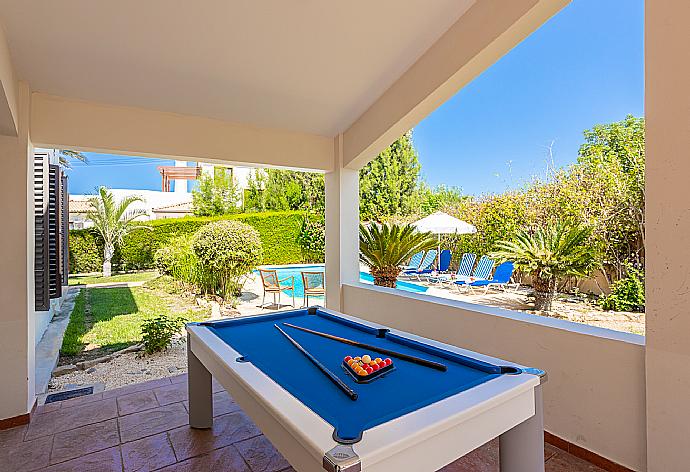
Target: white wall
[
  {"x": 595, "y": 394},
  {"x": 16, "y": 264},
  {"x": 667, "y": 110}
]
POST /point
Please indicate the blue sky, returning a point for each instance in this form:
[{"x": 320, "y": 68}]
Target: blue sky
[{"x": 585, "y": 66}]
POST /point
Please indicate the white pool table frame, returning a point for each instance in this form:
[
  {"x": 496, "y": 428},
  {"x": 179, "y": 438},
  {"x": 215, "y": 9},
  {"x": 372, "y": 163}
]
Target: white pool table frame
[{"x": 508, "y": 407}]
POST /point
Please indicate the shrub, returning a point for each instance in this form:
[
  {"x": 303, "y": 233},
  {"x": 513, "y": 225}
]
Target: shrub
[
  {"x": 279, "y": 233},
  {"x": 86, "y": 252},
  {"x": 226, "y": 250},
  {"x": 626, "y": 294},
  {"x": 312, "y": 239},
  {"x": 157, "y": 333}
]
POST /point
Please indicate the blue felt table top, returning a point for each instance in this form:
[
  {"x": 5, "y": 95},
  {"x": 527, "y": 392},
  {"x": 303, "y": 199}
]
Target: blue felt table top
[{"x": 407, "y": 388}]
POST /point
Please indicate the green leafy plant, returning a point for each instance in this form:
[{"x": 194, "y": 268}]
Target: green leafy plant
[
  {"x": 227, "y": 251},
  {"x": 385, "y": 248},
  {"x": 217, "y": 194},
  {"x": 157, "y": 333},
  {"x": 312, "y": 238},
  {"x": 64, "y": 156},
  {"x": 547, "y": 254},
  {"x": 388, "y": 183},
  {"x": 113, "y": 220},
  {"x": 626, "y": 294},
  {"x": 279, "y": 232}
]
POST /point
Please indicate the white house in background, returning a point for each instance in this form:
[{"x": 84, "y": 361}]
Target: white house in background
[
  {"x": 152, "y": 201},
  {"x": 157, "y": 204}
]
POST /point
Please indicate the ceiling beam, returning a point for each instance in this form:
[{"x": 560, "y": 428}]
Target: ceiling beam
[
  {"x": 487, "y": 31},
  {"x": 62, "y": 123}
]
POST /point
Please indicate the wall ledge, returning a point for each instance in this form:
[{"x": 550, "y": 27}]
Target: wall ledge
[{"x": 565, "y": 325}]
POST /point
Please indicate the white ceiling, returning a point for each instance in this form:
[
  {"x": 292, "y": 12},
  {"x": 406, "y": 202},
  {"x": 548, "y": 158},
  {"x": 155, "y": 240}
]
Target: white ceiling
[{"x": 302, "y": 65}]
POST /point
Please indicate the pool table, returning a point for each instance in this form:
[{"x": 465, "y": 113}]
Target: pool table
[{"x": 413, "y": 418}]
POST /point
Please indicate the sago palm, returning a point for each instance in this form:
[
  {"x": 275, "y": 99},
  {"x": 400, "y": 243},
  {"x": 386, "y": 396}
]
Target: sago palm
[
  {"x": 547, "y": 254},
  {"x": 385, "y": 248},
  {"x": 113, "y": 221}
]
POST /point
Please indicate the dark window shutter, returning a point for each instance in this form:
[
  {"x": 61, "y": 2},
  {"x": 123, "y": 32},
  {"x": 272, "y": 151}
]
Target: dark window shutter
[
  {"x": 54, "y": 232},
  {"x": 41, "y": 253},
  {"x": 64, "y": 228}
]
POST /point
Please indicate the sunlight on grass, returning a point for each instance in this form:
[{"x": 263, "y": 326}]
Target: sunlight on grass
[
  {"x": 95, "y": 279},
  {"x": 116, "y": 317}
]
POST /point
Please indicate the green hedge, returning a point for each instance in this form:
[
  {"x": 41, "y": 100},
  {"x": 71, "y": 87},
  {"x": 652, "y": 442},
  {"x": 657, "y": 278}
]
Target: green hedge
[{"x": 279, "y": 233}]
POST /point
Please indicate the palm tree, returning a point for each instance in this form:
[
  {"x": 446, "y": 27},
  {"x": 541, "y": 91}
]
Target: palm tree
[
  {"x": 113, "y": 221},
  {"x": 384, "y": 248},
  {"x": 65, "y": 154},
  {"x": 549, "y": 253}
]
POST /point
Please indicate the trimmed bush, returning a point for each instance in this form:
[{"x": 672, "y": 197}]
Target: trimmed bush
[
  {"x": 227, "y": 251},
  {"x": 279, "y": 233},
  {"x": 86, "y": 252}
]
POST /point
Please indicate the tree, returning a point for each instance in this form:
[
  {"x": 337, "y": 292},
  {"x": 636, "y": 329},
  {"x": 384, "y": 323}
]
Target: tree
[
  {"x": 387, "y": 184},
  {"x": 547, "y": 254},
  {"x": 385, "y": 248},
  {"x": 217, "y": 194},
  {"x": 292, "y": 190},
  {"x": 255, "y": 197},
  {"x": 113, "y": 221},
  {"x": 64, "y": 155}
]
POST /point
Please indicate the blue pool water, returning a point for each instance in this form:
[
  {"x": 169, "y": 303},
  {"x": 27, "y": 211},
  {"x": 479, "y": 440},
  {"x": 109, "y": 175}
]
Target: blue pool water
[{"x": 296, "y": 271}]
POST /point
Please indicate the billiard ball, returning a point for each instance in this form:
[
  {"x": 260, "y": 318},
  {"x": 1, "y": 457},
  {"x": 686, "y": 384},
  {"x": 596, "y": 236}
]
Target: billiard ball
[
  {"x": 378, "y": 360},
  {"x": 358, "y": 358},
  {"x": 375, "y": 367},
  {"x": 361, "y": 372},
  {"x": 388, "y": 361},
  {"x": 369, "y": 369},
  {"x": 347, "y": 358},
  {"x": 381, "y": 365},
  {"x": 366, "y": 358}
]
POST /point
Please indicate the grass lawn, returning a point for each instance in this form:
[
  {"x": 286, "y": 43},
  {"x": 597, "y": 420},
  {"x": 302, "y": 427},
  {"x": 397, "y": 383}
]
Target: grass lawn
[
  {"x": 95, "y": 279},
  {"x": 108, "y": 319}
]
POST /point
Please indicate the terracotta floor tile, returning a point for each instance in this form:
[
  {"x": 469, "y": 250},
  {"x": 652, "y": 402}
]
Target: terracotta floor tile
[
  {"x": 227, "y": 459},
  {"x": 550, "y": 451},
  {"x": 137, "y": 387},
  {"x": 178, "y": 378},
  {"x": 149, "y": 453},
  {"x": 150, "y": 422},
  {"x": 83, "y": 400},
  {"x": 217, "y": 387},
  {"x": 108, "y": 460},
  {"x": 222, "y": 404},
  {"x": 70, "y": 418},
  {"x": 28, "y": 455},
  {"x": 231, "y": 428},
  {"x": 482, "y": 459},
  {"x": 136, "y": 402},
  {"x": 85, "y": 440},
  {"x": 47, "y": 408},
  {"x": 171, "y": 393},
  {"x": 12, "y": 435},
  {"x": 261, "y": 456},
  {"x": 564, "y": 462}
]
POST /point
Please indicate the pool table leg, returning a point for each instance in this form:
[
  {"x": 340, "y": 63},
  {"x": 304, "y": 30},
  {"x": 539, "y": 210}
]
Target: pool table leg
[
  {"x": 521, "y": 449},
  {"x": 200, "y": 392}
]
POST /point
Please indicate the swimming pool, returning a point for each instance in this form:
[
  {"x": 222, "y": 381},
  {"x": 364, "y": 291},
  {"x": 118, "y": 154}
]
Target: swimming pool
[{"x": 296, "y": 271}]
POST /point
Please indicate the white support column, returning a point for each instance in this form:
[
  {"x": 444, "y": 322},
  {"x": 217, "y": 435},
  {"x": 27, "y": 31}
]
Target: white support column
[
  {"x": 342, "y": 227},
  {"x": 17, "y": 267},
  {"x": 667, "y": 354}
]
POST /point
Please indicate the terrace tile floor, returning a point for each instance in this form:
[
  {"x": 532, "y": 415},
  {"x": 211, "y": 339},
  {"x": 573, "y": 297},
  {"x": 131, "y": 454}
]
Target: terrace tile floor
[{"x": 143, "y": 427}]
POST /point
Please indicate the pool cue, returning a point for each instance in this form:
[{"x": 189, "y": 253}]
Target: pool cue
[
  {"x": 388, "y": 352},
  {"x": 348, "y": 391}
]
